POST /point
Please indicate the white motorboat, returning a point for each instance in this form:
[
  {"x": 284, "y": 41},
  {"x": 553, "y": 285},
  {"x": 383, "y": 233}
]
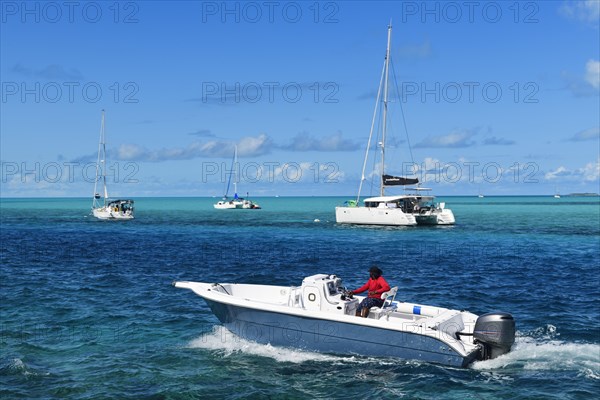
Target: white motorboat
[
  {"x": 102, "y": 206},
  {"x": 236, "y": 202},
  {"x": 395, "y": 210},
  {"x": 320, "y": 316}
]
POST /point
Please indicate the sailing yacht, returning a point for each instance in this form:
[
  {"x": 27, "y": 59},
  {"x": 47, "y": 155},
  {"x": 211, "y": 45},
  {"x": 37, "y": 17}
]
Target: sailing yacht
[
  {"x": 237, "y": 202},
  {"x": 556, "y": 193},
  {"x": 395, "y": 210},
  {"x": 102, "y": 206}
]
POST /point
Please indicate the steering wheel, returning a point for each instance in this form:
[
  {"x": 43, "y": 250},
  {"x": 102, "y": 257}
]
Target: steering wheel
[{"x": 345, "y": 293}]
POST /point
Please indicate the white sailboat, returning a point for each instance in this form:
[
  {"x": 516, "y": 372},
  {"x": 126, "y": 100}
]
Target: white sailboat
[
  {"x": 396, "y": 210},
  {"x": 102, "y": 206},
  {"x": 237, "y": 202},
  {"x": 556, "y": 193}
]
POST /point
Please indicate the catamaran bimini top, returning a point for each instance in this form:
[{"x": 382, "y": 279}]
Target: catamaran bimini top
[{"x": 387, "y": 199}]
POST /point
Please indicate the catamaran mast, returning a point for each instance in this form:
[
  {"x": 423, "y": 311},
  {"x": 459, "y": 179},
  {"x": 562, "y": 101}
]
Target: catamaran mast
[{"x": 385, "y": 104}]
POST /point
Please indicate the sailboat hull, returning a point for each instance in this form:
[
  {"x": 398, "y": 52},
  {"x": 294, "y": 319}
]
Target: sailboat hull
[
  {"x": 373, "y": 216},
  {"x": 106, "y": 213}
]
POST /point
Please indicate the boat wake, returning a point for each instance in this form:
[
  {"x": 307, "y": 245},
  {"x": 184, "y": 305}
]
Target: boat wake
[
  {"x": 543, "y": 352},
  {"x": 228, "y": 343}
]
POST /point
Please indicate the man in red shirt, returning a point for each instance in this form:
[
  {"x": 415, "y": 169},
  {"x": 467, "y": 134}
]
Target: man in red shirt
[{"x": 376, "y": 286}]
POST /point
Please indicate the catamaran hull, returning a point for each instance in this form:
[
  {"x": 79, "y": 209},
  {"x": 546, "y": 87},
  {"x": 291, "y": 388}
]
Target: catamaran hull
[
  {"x": 444, "y": 217},
  {"x": 373, "y": 216},
  {"x": 230, "y": 205},
  {"x": 334, "y": 337}
]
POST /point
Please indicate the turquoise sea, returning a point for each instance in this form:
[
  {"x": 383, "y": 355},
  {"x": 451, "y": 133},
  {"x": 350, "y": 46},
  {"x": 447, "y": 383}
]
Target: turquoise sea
[{"x": 88, "y": 310}]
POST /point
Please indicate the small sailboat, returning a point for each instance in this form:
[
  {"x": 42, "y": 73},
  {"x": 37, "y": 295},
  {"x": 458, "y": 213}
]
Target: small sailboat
[
  {"x": 237, "y": 202},
  {"x": 102, "y": 206},
  {"x": 395, "y": 210},
  {"x": 556, "y": 194}
]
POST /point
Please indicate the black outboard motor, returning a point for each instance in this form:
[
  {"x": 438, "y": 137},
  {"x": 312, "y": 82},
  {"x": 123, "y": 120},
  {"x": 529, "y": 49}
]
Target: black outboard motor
[{"x": 496, "y": 332}]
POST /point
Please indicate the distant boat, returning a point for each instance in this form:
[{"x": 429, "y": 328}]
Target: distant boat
[
  {"x": 237, "y": 202},
  {"x": 556, "y": 194},
  {"x": 102, "y": 206},
  {"x": 479, "y": 194},
  {"x": 396, "y": 210}
]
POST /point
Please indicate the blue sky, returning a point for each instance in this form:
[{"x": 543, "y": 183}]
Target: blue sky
[{"x": 498, "y": 97}]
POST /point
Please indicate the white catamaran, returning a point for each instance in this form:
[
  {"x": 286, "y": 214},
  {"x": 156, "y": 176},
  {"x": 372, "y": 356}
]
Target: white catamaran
[
  {"x": 236, "y": 202},
  {"x": 396, "y": 210},
  {"x": 102, "y": 206}
]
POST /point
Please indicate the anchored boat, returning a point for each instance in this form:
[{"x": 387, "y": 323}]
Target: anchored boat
[
  {"x": 102, "y": 206},
  {"x": 393, "y": 210},
  {"x": 236, "y": 202},
  {"x": 320, "y": 316}
]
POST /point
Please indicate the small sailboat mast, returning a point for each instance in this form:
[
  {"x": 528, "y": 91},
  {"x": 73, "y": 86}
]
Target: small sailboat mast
[
  {"x": 234, "y": 171},
  {"x": 101, "y": 167}
]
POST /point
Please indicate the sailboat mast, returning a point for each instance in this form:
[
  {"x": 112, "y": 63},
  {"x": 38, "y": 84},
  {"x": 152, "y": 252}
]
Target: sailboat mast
[
  {"x": 100, "y": 165},
  {"x": 103, "y": 160},
  {"x": 235, "y": 171},
  {"x": 385, "y": 104}
]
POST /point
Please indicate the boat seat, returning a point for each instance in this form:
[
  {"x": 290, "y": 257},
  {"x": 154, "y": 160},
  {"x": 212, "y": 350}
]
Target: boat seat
[
  {"x": 388, "y": 304},
  {"x": 449, "y": 321}
]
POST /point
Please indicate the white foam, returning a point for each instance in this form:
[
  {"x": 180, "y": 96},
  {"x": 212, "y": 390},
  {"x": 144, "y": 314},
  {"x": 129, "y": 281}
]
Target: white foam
[
  {"x": 548, "y": 355},
  {"x": 223, "y": 340},
  {"x": 17, "y": 366}
]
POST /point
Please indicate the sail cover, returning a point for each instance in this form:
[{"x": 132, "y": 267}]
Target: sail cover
[{"x": 389, "y": 180}]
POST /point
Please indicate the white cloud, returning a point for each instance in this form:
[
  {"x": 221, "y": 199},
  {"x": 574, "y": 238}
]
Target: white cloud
[
  {"x": 592, "y": 72},
  {"x": 588, "y": 134},
  {"x": 336, "y": 142},
  {"x": 590, "y": 172},
  {"x": 453, "y": 140},
  {"x": 248, "y": 146},
  {"x": 254, "y": 146},
  {"x": 560, "y": 171},
  {"x": 587, "y": 11},
  {"x": 416, "y": 50}
]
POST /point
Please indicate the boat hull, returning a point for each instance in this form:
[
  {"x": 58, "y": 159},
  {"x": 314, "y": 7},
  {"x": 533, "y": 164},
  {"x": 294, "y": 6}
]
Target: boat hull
[
  {"x": 107, "y": 214},
  {"x": 373, "y": 216},
  {"x": 327, "y": 336},
  {"x": 228, "y": 205},
  {"x": 436, "y": 217}
]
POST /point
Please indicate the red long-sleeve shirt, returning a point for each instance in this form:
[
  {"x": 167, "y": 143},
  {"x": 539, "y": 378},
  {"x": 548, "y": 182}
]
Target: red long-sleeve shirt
[{"x": 378, "y": 285}]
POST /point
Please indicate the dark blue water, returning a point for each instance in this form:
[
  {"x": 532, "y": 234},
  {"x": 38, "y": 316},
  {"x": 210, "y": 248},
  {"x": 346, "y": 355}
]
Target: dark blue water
[{"x": 88, "y": 310}]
